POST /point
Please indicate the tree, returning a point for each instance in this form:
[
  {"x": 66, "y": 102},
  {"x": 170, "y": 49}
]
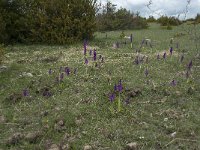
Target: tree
[{"x": 48, "y": 21}]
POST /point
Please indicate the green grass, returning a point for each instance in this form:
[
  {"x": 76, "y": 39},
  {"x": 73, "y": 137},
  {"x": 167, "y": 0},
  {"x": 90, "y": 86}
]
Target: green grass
[{"x": 82, "y": 101}]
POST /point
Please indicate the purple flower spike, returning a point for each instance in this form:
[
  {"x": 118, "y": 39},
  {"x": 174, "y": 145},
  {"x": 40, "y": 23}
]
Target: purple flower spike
[
  {"x": 146, "y": 72},
  {"x": 50, "y": 71},
  {"x": 158, "y": 56},
  {"x": 85, "y": 47},
  {"x": 25, "y": 93},
  {"x": 115, "y": 88},
  {"x": 164, "y": 55},
  {"x": 173, "y": 83},
  {"x": 190, "y": 65},
  {"x": 86, "y": 61},
  {"x": 171, "y": 50},
  {"x": 119, "y": 86},
  {"x": 95, "y": 55},
  {"x": 112, "y": 97},
  {"x": 90, "y": 52},
  {"x": 67, "y": 71}
]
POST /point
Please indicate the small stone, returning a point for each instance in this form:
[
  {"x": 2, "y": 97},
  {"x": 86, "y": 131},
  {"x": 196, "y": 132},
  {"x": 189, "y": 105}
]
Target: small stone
[
  {"x": 54, "y": 147},
  {"x": 32, "y": 137},
  {"x": 131, "y": 146},
  {"x": 2, "y": 119},
  {"x": 78, "y": 122},
  {"x": 65, "y": 147},
  {"x": 61, "y": 123},
  {"x": 15, "y": 138},
  {"x": 87, "y": 147},
  {"x": 173, "y": 134}
]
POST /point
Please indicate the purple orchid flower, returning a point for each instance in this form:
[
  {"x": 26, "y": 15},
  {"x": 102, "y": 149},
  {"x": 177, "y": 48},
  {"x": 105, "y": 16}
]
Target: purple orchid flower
[
  {"x": 173, "y": 83},
  {"x": 171, "y": 50},
  {"x": 95, "y": 55},
  {"x": 112, "y": 97},
  {"x": 67, "y": 71},
  {"x": 119, "y": 86},
  {"x": 86, "y": 61},
  {"x": 50, "y": 71},
  {"x": 25, "y": 93},
  {"x": 115, "y": 88}
]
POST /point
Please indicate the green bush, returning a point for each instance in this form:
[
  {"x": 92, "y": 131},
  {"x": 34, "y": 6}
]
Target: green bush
[
  {"x": 48, "y": 21},
  {"x": 122, "y": 19}
]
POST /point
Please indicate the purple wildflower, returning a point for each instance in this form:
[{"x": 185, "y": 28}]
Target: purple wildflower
[
  {"x": 50, "y": 71},
  {"x": 190, "y": 65},
  {"x": 85, "y": 47},
  {"x": 119, "y": 86},
  {"x": 67, "y": 71},
  {"x": 112, "y": 97},
  {"x": 127, "y": 101},
  {"x": 171, "y": 50},
  {"x": 46, "y": 93},
  {"x": 146, "y": 72},
  {"x": 86, "y": 61},
  {"x": 25, "y": 93},
  {"x": 173, "y": 83},
  {"x": 164, "y": 55},
  {"x": 115, "y": 88},
  {"x": 95, "y": 55}
]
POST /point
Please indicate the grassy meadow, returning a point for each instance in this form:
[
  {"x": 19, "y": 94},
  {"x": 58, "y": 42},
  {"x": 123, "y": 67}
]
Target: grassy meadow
[{"x": 44, "y": 105}]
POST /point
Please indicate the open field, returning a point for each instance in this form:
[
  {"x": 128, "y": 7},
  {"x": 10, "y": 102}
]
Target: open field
[{"x": 157, "y": 108}]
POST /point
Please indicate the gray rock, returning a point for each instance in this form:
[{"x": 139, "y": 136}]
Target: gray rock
[{"x": 132, "y": 146}]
